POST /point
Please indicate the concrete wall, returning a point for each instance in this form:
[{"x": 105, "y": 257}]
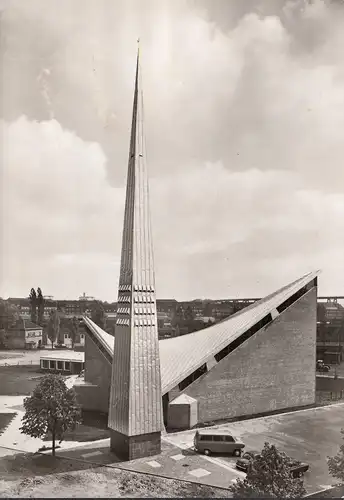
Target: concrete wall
[
  {"x": 272, "y": 370},
  {"x": 98, "y": 373},
  {"x": 329, "y": 384}
]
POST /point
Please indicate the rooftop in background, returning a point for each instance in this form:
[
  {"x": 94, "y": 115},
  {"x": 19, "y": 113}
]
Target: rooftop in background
[{"x": 71, "y": 356}]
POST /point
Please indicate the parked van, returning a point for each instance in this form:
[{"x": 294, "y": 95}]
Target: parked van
[{"x": 209, "y": 441}]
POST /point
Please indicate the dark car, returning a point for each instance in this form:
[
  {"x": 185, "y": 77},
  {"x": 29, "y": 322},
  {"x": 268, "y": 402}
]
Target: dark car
[
  {"x": 297, "y": 468},
  {"x": 243, "y": 462},
  {"x": 321, "y": 367}
]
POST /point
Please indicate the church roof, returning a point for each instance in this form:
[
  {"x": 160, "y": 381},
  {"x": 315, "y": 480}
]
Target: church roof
[{"x": 181, "y": 356}]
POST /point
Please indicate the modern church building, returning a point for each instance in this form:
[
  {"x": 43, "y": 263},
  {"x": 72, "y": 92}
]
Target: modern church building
[{"x": 259, "y": 360}]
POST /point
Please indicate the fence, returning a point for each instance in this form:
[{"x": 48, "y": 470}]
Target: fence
[{"x": 325, "y": 396}]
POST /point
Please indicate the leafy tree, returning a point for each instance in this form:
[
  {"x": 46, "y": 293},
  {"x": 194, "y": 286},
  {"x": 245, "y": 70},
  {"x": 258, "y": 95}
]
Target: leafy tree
[
  {"x": 33, "y": 304},
  {"x": 52, "y": 408},
  {"x": 8, "y": 315},
  {"x": 40, "y": 303},
  {"x": 189, "y": 314},
  {"x": 74, "y": 330},
  {"x": 336, "y": 463},
  {"x": 98, "y": 315},
  {"x": 178, "y": 317},
  {"x": 53, "y": 328},
  {"x": 269, "y": 476}
]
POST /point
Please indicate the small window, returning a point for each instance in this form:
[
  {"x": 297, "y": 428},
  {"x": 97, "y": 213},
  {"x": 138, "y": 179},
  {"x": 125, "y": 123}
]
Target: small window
[
  {"x": 218, "y": 438},
  {"x": 52, "y": 365},
  {"x": 45, "y": 363},
  {"x": 67, "y": 366},
  {"x": 229, "y": 439},
  {"x": 206, "y": 438},
  {"x": 82, "y": 336},
  {"x": 60, "y": 365}
]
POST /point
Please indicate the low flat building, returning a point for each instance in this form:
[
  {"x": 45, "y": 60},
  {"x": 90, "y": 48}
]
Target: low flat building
[{"x": 67, "y": 362}]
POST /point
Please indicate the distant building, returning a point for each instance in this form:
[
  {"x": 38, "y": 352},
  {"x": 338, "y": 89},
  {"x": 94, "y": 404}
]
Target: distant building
[
  {"x": 23, "y": 334},
  {"x": 222, "y": 309},
  {"x": 63, "y": 362},
  {"x": 165, "y": 328},
  {"x": 333, "y": 311},
  {"x": 168, "y": 306}
]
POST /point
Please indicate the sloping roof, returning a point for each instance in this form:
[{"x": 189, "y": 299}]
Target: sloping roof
[
  {"x": 29, "y": 325},
  {"x": 181, "y": 356},
  {"x": 183, "y": 399}
]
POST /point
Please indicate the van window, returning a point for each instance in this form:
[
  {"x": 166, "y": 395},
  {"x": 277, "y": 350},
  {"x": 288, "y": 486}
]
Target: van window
[
  {"x": 218, "y": 438},
  {"x": 206, "y": 438},
  {"x": 229, "y": 439}
]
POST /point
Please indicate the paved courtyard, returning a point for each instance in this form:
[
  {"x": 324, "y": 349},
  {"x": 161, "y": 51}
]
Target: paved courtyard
[
  {"x": 173, "y": 462},
  {"x": 308, "y": 435}
]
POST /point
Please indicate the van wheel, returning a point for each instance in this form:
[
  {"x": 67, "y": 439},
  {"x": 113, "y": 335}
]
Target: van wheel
[
  {"x": 237, "y": 453},
  {"x": 207, "y": 452}
]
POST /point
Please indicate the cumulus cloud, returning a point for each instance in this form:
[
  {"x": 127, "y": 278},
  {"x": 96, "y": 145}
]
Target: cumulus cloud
[{"x": 243, "y": 122}]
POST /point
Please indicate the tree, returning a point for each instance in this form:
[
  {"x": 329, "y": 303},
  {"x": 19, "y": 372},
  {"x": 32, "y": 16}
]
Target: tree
[
  {"x": 52, "y": 408},
  {"x": 40, "y": 303},
  {"x": 98, "y": 315},
  {"x": 53, "y": 328},
  {"x": 189, "y": 314},
  {"x": 33, "y": 304},
  {"x": 74, "y": 330},
  {"x": 269, "y": 476},
  {"x": 8, "y": 314},
  {"x": 336, "y": 463}
]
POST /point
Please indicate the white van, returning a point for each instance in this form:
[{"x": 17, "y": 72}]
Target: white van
[{"x": 209, "y": 441}]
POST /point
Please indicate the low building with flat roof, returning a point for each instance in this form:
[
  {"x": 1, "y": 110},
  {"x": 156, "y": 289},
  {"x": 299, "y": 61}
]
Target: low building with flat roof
[{"x": 67, "y": 362}]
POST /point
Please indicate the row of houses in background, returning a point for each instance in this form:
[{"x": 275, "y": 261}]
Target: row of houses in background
[{"x": 174, "y": 319}]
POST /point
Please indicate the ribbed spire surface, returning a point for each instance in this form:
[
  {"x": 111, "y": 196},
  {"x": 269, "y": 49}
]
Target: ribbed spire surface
[{"x": 135, "y": 396}]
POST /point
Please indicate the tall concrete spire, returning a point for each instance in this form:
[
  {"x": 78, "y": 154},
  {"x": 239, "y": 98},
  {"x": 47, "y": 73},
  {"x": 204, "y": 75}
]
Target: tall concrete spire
[{"x": 135, "y": 409}]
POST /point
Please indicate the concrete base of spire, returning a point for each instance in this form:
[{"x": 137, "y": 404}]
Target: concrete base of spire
[{"x": 132, "y": 447}]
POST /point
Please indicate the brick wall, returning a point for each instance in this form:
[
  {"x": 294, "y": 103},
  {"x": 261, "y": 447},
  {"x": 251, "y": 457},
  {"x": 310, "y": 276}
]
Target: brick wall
[
  {"x": 98, "y": 373},
  {"x": 272, "y": 370}
]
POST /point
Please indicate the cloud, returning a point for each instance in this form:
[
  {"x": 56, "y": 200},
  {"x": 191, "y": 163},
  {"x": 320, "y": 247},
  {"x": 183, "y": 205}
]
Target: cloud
[
  {"x": 57, "y": 209},
  {"x": 244, "y": 128},
  {"x": 63, "y": 223}
]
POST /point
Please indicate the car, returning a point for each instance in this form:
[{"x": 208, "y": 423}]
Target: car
[
  {"x": 243, "y": 462},
  {"x": 297, "y": 468},
  {"x": 321, "y": 367},
  {"x": 209, "y": 441}
]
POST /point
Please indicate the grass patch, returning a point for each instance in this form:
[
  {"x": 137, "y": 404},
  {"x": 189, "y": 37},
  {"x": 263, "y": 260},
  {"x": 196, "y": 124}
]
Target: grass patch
[
  {"x": 83, "y": 433},
  {"x": 19, "y": 380},
  {"x": 93, "y": 427},
  {"x": 5, "y": 420}
]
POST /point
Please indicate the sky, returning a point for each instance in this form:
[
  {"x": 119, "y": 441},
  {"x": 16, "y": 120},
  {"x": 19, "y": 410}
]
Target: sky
[{"x": 244, "y": 120}]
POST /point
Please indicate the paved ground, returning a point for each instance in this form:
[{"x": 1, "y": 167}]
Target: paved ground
[
  {"x": 173, "y": 462},
  {"x": 36, "y": 476},
  {"x": 11, "y": 436},
  {"x": 307, "y": 435},
  {"x": 15, "y": 357}
]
